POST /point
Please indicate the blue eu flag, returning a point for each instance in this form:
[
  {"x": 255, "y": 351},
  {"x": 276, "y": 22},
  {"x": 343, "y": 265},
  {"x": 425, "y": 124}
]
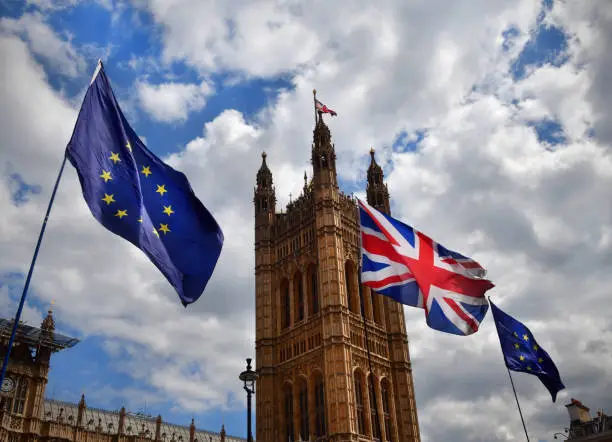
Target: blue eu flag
[
  {"x": 137, "y": 196},
  {"x": 522, "y": 352}
]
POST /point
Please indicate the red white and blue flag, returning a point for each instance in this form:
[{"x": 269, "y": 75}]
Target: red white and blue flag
[
  {"x": 406, "y": 265},
  {"x": 324, "y": 109}
]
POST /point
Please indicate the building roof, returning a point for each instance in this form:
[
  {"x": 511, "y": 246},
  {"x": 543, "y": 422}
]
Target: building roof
[
  {"x": 34, "y": 336},
  {"x": 107, "y": 422}
]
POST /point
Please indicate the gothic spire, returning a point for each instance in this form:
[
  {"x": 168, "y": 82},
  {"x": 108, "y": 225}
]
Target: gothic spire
[
  {"x": 376, "y": 190},
  {"x": 323, "y": 155},
  {"x": 265, "y": 199}
]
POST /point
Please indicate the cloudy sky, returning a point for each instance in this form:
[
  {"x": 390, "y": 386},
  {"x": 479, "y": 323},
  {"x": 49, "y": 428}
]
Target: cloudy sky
[{"x": 491, "y": 119}]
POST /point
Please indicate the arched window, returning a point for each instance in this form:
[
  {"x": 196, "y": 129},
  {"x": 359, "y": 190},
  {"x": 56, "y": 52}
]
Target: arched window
[
  {"x": 375, "y": 306},
  {"x": 359, "y": 402},
  {"x": 304, "y": 416},
  {"x": 16, "y": 403},
  {"x": 288, "y": 413},
  {"x": 351, "y": 295},
  {"x": 386, "y": 403},
  {"x": 285, "y": 305},
  {"x": 298, "y": 295},
  {"x": 373, "y": 409},
  {"x": 319, "y": 395},
  {"x": 314, "y": 290}
]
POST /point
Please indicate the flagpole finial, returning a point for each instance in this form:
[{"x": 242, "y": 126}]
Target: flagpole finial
[{"x": 314, "y": 92}]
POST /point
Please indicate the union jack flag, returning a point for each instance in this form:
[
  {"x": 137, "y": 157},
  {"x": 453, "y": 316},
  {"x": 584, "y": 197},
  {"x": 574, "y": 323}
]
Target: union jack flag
[{"x": 406, "y": 265}]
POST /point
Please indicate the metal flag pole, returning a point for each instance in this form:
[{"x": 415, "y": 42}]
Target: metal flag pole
[
  {"x": 314, "y": 102},
  {"x": 36, "y": 250},
  {"x": 517, "y": 404},
  {"x": 29, "y": 277},
  {"x": 367, "y": 338}
]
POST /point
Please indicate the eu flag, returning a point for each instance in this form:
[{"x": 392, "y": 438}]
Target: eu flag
[
  {"x": 137, "y": 196},
  {"x": 522, "y": 352}
]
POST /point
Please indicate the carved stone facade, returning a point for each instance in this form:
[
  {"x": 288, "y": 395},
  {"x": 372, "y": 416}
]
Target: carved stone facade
[
  {"x": 25, "y": 414},
  {"x": 316, "y": 381}
]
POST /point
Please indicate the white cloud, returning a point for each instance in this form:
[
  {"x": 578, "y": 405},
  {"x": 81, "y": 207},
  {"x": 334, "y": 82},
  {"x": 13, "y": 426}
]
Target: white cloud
[
  {"x": 44, "y": 42},
  {"x": 171, "y": 102},
  {"x": 480, "y": 182}
]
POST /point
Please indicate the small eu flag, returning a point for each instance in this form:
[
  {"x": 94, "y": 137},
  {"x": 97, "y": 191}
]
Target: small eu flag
[
  {"x": 137, "y": 196},
  {"x": 522, "y": 352}
]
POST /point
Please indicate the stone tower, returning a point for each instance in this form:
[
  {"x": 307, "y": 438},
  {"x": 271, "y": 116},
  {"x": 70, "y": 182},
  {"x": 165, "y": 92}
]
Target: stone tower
[{"x": 315, "y": 378}]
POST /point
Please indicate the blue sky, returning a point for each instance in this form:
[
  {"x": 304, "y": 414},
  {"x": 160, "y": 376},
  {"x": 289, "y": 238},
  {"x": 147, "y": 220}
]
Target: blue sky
[{"x": 142, "y": 50}]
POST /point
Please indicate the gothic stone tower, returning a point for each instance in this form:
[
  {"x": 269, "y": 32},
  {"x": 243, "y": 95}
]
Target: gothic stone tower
[{"x": 315, "y": 381}]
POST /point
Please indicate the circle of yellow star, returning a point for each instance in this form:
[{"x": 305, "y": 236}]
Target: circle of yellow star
[
  {"x": 121, "y": 213},
  {"x": 108, "y": 198},
  {"x": 146, "y": 171},
  {"x": 155, "y": 232},
  {"x": 540, "y": 360},
  {"x": 129, "y": 146},
  {"x": 535, "y": 347},
  {"x": 168, "y": 210},
  {"x": 522, "y": 358},
  {"x": 140, "y": 220},
  {"x": 164, "y": 228},
  {"x": 516, "y": 346},
  {"x": 529, "y": 368},
  {"x": 525, "y": 337},
  {"x": 161, "y": 189},
  {"x": 114, "y": 157},
  {"x": 106, "y": 176}
]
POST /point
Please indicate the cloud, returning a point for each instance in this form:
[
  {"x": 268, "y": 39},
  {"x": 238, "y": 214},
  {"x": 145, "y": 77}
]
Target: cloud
[
  {"x": 45, "y": 42},
  {"x": 172, "y": 102}
]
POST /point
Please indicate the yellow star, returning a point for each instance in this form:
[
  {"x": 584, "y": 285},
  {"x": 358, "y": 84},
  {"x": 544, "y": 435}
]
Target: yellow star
[
  {"x": 164, "y": 228},
  {"x": 168, "y": 210},
  {"x": 529, "y": 368},
  {"x": 146, "y": 171},
  {"x": 140, "y": 220},
  {"x": 535, "y": 347},
  {"x": 155, "y": 232},
  {"x": 108, "y": 198},
  {"x": 114, "y": 157},
  {"x": 121, "y": 213},
  {"x": 161, "y": 189},
  {"x": 525, "y": 337},
  {"x": 129, "y": 146},
  {"x": 516, "y": 346},
  {"x": 515, "y": 335},
  {"x": 106, "y": 176},
  {"x": 522, "y": 358},
  {"x": 540, "y": 360}
]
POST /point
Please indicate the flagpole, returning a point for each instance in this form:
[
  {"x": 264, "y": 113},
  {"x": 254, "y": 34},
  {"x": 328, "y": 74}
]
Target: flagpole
[
  {"x": 40, "y": 237},
  {"x": 367, "y": 339},
  {"x": 314, "y": 102},
  {"x": 29, "y": 277},
  {"x": 517, "y": 404}
]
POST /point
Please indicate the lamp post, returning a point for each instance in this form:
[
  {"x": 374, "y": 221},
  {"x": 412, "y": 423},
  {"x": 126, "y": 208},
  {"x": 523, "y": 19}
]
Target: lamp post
[{"x": 248, "y": 377}]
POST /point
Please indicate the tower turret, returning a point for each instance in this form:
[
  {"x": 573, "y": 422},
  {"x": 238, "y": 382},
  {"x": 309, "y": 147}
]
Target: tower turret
[
  {"x": 265, "y": 199},
  {"x": 376, "y": 190},
  {"x": 323, "y": 156}
]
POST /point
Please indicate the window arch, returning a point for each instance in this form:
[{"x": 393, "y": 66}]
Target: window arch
[
  {"x": 386, "y": 403},
  {"x": 359, "y": 405},
  {"x": 285, "y": 304},
  {"x": 351, "y": 289},
  {"x": 304, "y": 415},
  {"x": 319, "y": 395},
  {"x": 373, "y": 409},
  {"x": 298, "y": 296},
  {"x": 376, "y": 317},
  {"x": 314, "y": 290},
  {"x": 288, "y": 397}
]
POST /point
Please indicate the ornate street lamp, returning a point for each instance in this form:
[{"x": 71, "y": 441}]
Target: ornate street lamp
[{"x": 248, "y": 377}]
